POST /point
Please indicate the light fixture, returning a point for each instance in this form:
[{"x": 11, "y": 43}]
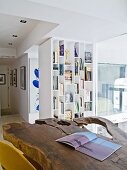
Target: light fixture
[
  {"x": 15, "y": 36},
  {"x": 9, "y": 43},
  {"x": 23, "y": 21}
]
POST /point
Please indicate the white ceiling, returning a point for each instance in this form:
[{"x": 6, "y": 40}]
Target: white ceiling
[
  {"x": 90, "y": 20},
  {"x": 112, "y": 10},
  {"x": 10, "y": 25}
]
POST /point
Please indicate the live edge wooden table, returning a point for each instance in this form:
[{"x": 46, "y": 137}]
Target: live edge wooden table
[{"x": 37, "y": 141}]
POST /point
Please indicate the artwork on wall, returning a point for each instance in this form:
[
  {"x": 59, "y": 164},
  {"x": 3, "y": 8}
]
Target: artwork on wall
[
  {"x": 23, "y": 77},
  {"x": 15, "y": 77},
  {"x": 36, "y": 85},
  {"x": 2, "y": 79},
  {"x": 11, "y": 77}
]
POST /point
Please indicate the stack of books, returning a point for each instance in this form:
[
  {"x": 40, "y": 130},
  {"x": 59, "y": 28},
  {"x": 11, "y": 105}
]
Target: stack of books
[{"x": 68, "y": 115}]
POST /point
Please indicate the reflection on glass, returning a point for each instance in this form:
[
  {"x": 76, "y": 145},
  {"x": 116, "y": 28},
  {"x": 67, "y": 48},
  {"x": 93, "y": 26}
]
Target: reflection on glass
[{"x": 112, "y": 89}]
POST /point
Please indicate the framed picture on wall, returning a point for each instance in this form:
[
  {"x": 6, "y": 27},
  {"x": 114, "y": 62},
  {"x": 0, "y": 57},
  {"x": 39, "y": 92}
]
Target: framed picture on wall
[
  {"x": 2, "y": 79},
  {"x": 11, "y": 77},
  {"x": 15, "y": 77},
  {"x": 23, "y": 77}
]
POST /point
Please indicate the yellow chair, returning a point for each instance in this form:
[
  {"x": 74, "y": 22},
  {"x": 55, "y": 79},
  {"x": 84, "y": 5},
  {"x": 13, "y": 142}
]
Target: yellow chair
[{"x": 12, "y": 159}]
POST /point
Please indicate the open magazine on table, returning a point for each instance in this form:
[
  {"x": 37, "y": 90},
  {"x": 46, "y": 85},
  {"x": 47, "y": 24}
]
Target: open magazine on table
[{"x": 89, "y": 144}]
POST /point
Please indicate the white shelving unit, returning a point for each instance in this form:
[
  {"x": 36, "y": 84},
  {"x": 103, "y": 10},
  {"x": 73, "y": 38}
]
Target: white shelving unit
[{"x": 70, "y": 94}]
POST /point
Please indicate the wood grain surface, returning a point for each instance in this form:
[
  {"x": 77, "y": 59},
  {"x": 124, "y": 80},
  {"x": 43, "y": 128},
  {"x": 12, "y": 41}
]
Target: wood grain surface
[{"x": 37, "y": 141}]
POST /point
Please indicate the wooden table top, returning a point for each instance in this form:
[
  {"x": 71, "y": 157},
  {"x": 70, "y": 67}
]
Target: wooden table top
[{"x": 37, "y": 141}]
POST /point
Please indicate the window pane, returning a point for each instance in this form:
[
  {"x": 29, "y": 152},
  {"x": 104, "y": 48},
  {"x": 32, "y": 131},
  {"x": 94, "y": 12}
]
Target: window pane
[{"x": 112, "y": 89}]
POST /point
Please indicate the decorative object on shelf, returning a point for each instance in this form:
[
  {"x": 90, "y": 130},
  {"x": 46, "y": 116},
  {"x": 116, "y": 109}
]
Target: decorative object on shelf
[
  {"x": 68, "y": 97},
  {"x": 23, "y": 77},
  {"x": 88, "y": 57},
  {"x": 71, "y": 97},
  {"x": 67, "y": 52},
  {"x": 75, "y": 51},
  {"x": 15, "y": 77},
  {"x": 11, "y": 77},
  {"x": 2, "y": 79}
]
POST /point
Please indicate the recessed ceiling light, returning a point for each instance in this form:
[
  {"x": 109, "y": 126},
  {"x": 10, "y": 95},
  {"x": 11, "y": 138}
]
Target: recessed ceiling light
[
  {"x": 23, "y": 21},
  {"x": 9, "y": 43},
  {"x": 15, "y": 36}
]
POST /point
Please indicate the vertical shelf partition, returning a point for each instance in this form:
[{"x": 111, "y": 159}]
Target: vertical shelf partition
[
  {"x": 67, "y": 79},
  {"x": 72, "y": 79}
]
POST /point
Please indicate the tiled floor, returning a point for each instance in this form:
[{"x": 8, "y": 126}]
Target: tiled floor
[{"x": 8, "y": 119}]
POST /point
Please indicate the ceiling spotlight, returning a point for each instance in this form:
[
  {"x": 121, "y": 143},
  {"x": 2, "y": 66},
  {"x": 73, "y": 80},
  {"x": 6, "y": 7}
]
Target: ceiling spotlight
[
  {"x": 9, "y": 43},
  {"x": 15, "y": 36},
  {"x": 23, "y": 21}
]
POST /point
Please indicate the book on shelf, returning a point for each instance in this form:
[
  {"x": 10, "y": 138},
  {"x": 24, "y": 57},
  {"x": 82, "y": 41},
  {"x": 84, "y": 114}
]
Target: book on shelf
[
  {"x": 87, "y": 95},
  {"x": 55, "y": 66},
  {"x": 76, "y": 87},
  {"x": 61, "y": 49},
  {"x": 81, "y": 101},
  {"x": 55, "y": 102},
  {"x": 76, "y": 68},
  {"x": 82, "y": 83},
  {"x": 91, "y": 95},
  {"x": 81, "y": 64},
  {"x": 61, "y": 107},
  {"x": 88, "y": 73},
  {"x": 61, "y": 71},
  {"x": 68, "y": 114},
  {"x": 76, "y": 107},
  {"x": 61, "y": 87},
  {"x": 88, "y": 106},
  {"x": 88, "y": 57},
  {"x": 55, "y": 57},
  {"x": 55, "y": 82},
  {"x": 88, "y": 143}
]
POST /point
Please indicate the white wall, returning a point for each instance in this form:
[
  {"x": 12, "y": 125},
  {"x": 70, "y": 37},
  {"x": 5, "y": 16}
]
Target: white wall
[
  {"x": 45, "y": 80},
  {"x": 113, "y": 50},
  {"x": 4, "y": 93},
  {"x": 19, "y": 97}
]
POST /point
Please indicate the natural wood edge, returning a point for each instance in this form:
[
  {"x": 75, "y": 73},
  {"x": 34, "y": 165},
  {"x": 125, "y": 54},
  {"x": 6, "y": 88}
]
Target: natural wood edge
[
  {"x": 117, "y": 134},
  {"x": 26, "y": 148}
]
